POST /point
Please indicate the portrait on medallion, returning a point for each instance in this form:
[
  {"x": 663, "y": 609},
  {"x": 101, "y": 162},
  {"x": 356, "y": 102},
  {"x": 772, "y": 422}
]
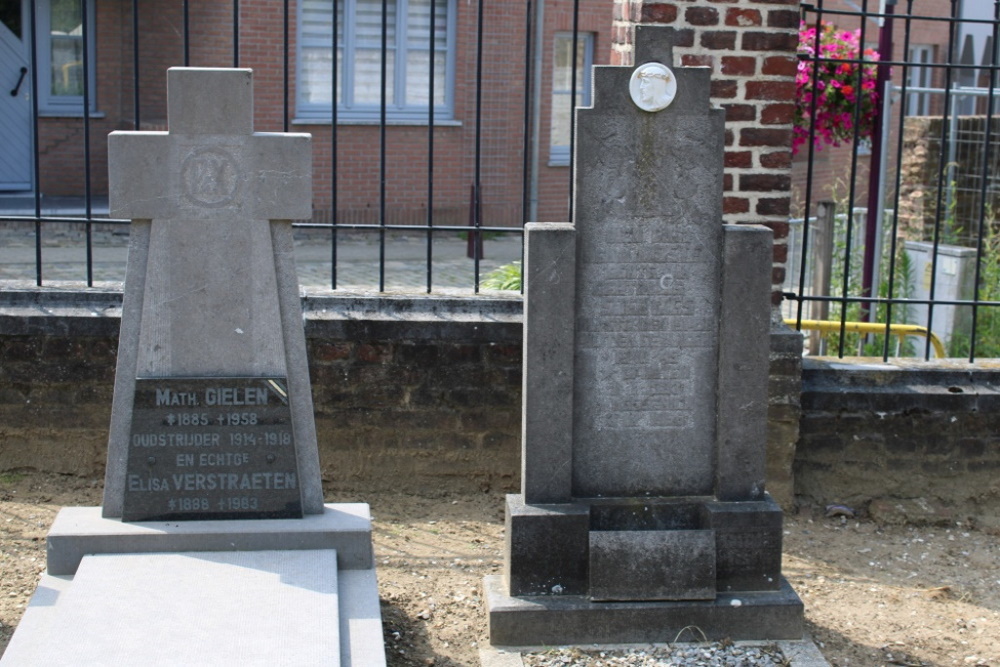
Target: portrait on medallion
[{"x": 653, "y": 87}]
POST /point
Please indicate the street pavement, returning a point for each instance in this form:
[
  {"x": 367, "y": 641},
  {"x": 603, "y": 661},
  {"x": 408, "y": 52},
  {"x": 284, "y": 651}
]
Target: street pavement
[{"x": 64, "y": 257}]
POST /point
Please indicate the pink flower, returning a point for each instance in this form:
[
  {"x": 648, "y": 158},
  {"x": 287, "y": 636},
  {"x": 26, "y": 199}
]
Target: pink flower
[{"x": 831, "y": 90}]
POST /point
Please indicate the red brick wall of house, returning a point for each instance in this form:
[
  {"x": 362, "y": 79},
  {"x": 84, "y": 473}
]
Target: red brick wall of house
[{"x": 261, "y": 46}]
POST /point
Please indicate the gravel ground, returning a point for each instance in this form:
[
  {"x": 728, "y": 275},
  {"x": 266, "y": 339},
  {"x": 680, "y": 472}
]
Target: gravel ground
[{"x": 678, "y": 655}]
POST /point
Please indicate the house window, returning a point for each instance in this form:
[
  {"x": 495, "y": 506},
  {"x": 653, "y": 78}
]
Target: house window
[
  {"x": 419, "y": 41},
  {"x": 60, "y": 55},
  {"x": 918, "y": 75},
  {"x": 563, "y": 99}
]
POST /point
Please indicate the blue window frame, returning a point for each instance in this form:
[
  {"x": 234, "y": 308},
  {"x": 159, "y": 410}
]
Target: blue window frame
[
  {"x": 60, "y": 56},
  {"x": 563, "y": 101},
  {"x": 412, "y": 52}
]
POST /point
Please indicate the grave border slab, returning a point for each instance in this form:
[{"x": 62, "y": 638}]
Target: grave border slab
[{"x": 79, "y": 531}]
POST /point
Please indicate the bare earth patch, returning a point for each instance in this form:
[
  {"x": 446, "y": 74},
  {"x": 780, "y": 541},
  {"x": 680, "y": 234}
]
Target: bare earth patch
[{"x": 874, "y": 595}]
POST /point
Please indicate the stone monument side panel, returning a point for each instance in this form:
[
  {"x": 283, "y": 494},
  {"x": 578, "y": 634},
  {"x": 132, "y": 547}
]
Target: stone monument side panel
[
  {"x": 649, "y": 229},
  {"x": 547, "y": 390},
  {"x": 654, "y": 43},
  {"x": 297, "y": 363},
  {"x": 280, "y": 192},
  {"x": 744, "y": 362},
  {"x": 132, "y": 194},
  {"x": 128, "y": 350}
]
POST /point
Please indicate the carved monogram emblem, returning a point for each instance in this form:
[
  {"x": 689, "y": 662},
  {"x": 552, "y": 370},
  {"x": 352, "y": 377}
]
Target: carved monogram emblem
[{"x": 210, "y": 177}]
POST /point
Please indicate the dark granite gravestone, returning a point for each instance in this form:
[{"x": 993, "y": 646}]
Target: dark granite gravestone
[{"x": 643, "y": 509}]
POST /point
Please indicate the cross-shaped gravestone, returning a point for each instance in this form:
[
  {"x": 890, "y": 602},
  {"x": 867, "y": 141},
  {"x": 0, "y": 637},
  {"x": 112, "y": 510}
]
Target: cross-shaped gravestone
[{"x": 211, "y": 293}]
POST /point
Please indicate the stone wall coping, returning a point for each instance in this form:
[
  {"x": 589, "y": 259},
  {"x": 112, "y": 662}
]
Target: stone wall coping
[
  {"x": 457, "y": 317},
  {"x": 873, "y": 372}
]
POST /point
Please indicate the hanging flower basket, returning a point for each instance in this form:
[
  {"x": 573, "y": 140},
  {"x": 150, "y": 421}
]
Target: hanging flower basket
[{"x": 843, "y": 88}]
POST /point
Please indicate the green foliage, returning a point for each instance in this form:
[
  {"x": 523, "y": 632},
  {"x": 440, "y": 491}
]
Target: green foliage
[
  {"x": 869, "y": 345},
  {"x": 987, "y": 317},
  {"x": 903, "y": 287},
  {"x": 11, "y": 477},
  {"x": 506, "y": 277},
  {"x": 874, "y": 345}
]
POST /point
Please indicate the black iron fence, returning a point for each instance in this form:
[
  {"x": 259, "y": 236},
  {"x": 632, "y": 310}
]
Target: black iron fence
[
  {"x": 454, "y": 118},
  {"x": 895, "y": 246},
  {"x": 411, "y": 112}
]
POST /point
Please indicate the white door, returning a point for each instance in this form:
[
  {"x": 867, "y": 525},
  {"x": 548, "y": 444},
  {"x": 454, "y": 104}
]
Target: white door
[{"x": 15, "y": 97}]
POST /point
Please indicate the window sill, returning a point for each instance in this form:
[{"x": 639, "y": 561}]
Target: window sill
[
  {"x": 390, "y": 122},
  {"x": 67, "y": 113}
]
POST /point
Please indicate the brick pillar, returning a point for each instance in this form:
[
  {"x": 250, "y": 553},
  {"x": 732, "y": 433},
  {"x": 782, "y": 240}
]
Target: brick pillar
[{"x": 750, "y": 46}]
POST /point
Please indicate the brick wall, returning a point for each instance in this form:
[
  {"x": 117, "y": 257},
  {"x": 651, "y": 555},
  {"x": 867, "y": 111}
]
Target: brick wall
[
  {"x": 594, "y": 18},
  {"x": 750, "y": 47},
  {"x": 901, "y": 442},
  {"x": 427, "y": 393},
  {"x": 400, "y": 403}
]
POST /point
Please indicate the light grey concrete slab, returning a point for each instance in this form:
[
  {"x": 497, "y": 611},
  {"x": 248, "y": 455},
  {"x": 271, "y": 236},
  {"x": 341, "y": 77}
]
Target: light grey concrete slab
[
  {"x": 803, "y": 653},
  {"x": 547, "y": 395},
  {"x": 78, "y": 531},
  {"x": 197, "y": 608},
  {"x": 492, "y": 656},
  {"x": 37, "y": 615},
  {"x": 361, "y": 642},
  {"x": 744, "y": 362}
]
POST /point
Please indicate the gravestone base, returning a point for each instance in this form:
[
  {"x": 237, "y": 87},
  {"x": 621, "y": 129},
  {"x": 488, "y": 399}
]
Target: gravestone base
[
  {"x": 641, "y": 570},
  {"x": 265, "y": 591},
  {"x": 547, "y": 620},
  {"x": 614, "y": 549}
]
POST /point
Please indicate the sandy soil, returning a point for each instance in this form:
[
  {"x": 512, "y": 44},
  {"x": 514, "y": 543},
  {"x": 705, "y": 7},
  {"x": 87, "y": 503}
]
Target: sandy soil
[{"x": 874, "y": 595}]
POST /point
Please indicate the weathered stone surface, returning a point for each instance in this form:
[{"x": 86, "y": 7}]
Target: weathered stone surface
[
  {"x": 652, "y": 565},
  {"x": 744, "y": 358},
  {"x": 210, "y": 287},
  {"x": 649, "y": 220},
  {"x": 546, "y": 548},
  {"x": 553, "y": 620},
  {"x": 748, "y": 544},
  {"x": 547, "y": 396},
  {"x": 669, "y": 388}
]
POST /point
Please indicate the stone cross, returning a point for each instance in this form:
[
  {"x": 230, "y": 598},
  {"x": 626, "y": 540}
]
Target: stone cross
[{"x": 211, "y": 289}]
